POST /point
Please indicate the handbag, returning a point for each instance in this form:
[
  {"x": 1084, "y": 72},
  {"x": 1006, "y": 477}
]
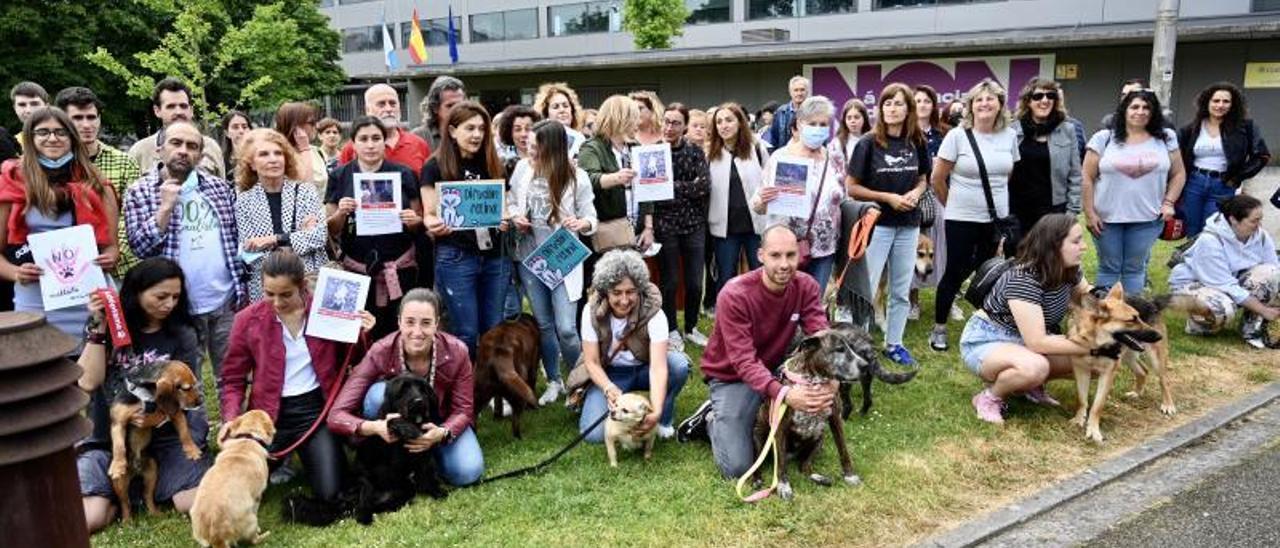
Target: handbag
[
  {"x": 1008, "y": 230},
  {"x": 803, "y": 241},
  {"x": 613, "y": 233}
]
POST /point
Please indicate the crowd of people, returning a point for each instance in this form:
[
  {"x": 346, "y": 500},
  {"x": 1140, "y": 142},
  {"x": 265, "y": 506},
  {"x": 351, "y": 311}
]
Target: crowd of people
[{"x": 216, "y": 243}]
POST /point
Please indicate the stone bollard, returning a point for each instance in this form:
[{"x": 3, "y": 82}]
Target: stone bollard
[{"x": 40, "y": 422}]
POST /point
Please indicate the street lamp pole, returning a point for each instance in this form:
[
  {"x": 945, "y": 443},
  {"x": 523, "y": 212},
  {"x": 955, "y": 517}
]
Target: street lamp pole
[{"x": 1163, "y": 45}]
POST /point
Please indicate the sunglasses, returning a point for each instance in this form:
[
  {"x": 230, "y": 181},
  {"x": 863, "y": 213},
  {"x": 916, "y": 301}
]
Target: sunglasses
[{"x": 1041, "y": 95}]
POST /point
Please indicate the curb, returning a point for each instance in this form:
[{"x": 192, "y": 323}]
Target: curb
[{"x": 1002, "y": 519}]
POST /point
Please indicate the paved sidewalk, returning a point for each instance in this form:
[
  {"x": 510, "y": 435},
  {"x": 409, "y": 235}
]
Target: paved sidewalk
[{"x": 1262, "y": 187}]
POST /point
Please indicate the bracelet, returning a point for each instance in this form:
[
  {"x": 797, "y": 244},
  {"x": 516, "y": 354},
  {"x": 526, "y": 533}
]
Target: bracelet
[{"x": 93, "y": 337}]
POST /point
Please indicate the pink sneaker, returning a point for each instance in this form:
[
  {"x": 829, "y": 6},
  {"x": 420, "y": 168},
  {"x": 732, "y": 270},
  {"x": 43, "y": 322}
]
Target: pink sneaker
[
  {"x": 1038, "y": 396},
  {"x": 988, "y": 407}
]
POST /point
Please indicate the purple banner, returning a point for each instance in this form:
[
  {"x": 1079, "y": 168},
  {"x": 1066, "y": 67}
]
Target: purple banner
[{"x": 952, "y": 77}]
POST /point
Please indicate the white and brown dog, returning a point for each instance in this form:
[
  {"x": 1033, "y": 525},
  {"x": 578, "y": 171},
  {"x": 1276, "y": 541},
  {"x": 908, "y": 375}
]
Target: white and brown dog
[{"x": 620, "y": 428}]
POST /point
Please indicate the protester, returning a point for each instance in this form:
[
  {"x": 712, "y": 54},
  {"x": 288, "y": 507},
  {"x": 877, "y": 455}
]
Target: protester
[
  {"x": 274, "y": 208},
  {"x": 53, "y": 185},
  {"x": 737, "y": 162},
  {"x": 589, "y": 122},
  {"x": 624, "y": 336},
  {"x": 514, "y": 130},
  {"x": 1127, "y": 87},
  {"x": 933, "y": 128},
  {"x": 171, "y": 102},
  {"x": 234, "y": 126},
  {"x": 388, "y": 258},
  {"x": 1046, "y": 177},
  {"x": 296, "y": 122},
  {"x": 27, "y": 97},
  {"x": 1133, "y": 175},
  {"x": 381, "y": 101},
  {"x": 824, "y": 189},
  {"x": 1221, "y": 149},
  {"x": 649, "y": 123},
  {"x": 330, "y": 132},
  {"x": 680, "y": 225},
  {"x": 418, "y": 347},
  {"x": 557, "y": 101},
  {"x": 697, "y": 128},
  {"x": 783, "y": 119},
  {"x": 1231, "y": 266},
  {"x": 763, "y": 119},
  {"x": 958, "y": 183},
  {"x": 854, "y": 122},
  {"x": 898, "y": 187},
  {"x": 444, "y": 93},
  {"x": 153, "y": 299}
]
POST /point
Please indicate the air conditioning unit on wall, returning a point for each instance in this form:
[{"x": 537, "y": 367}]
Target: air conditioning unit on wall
[{"x": 765, "y": 36}]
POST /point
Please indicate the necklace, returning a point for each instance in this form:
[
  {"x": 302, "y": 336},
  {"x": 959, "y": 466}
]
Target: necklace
[{"x": 431, "y": 367}]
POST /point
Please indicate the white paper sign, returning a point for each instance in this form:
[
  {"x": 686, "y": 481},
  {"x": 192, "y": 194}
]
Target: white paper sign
[
  {"x": 336, "y": 305},
  {"x": 378, "y": 198},
  {"x": 791, "y": 177},
  {"x": 66, "y": 255},
  {"x": 654, "y": 181},
  {"x": 575, "y": 139}
]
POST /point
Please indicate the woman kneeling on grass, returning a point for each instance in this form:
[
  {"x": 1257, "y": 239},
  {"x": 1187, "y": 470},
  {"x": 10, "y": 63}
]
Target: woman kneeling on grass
[{"x": 1011, "y": 343}]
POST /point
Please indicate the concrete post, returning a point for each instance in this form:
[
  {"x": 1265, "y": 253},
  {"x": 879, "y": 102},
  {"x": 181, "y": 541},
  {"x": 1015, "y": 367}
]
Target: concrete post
[{"x": 1163, "y": 45}]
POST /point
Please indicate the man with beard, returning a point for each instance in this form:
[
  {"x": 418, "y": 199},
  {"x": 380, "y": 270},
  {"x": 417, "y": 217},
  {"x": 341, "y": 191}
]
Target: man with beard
[
  {"x": 757, "y": 315},
  {"x": 184, "y": 214},
  {"x": 171, "y": 102},
  {"x": 382, "y": 102}
]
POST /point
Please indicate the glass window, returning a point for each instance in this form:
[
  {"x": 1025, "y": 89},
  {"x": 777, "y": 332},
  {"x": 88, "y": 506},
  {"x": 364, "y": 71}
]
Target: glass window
[
  {"x": 707, "y": 11},
  {"x": 893, "y": 4},
  {"x": 504, "y": 25},
  {"x": 585, "y": 17},
  {"x": 522, "y": 24},
  {"x": 362, "y": 39},
  {"x": 434, "y": 31},
  {"x": 1266, "y": 5},
  {"x": 768, "y": 9},
  {"x": 327, "y": 3},
  {"x": 486, "y": 27}
]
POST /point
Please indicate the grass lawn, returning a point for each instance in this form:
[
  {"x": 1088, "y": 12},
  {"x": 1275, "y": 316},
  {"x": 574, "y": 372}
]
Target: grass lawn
[{"x": 927, "y": 463}]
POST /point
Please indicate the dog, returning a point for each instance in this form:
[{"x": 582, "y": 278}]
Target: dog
[
  {"x": 225, "y": 511},
  {"x": 839, "y": 354},
  {"x": 923, "y": 268},
  {"x": 173, "y": 389},
  {"x": 620, "y": 428},
  {"x": 507, "y": 367},
  {"x": 1155, "y": 357},
  {"x": 1096, "y": 323},
  {"x": 869, "y": 368}
]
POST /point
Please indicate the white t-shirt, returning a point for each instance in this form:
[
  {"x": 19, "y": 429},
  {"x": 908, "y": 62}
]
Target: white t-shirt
[
  {"x": 1131, "y": 178},
  {"x": 1208, "y": 151},
  {"x": 966, "y": 200},
  {"x": 657, "y": 333},
  {"x": 209, "y": 282},
  {"x": 299, "y": 376}
]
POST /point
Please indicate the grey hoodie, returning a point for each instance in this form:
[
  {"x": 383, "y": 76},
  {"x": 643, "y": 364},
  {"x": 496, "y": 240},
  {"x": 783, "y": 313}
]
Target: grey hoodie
[{"x": 1217, "y": 258}]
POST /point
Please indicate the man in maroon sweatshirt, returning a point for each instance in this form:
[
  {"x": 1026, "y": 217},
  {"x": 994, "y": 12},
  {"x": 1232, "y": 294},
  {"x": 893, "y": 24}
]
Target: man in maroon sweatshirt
[{"x": 757, "y": 315}]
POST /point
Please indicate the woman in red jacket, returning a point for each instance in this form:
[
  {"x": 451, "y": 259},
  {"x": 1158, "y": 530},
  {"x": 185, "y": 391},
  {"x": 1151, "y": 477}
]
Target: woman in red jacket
[
  {"x": 419, "y": 347},
  {"x": 293, "y": 373}
]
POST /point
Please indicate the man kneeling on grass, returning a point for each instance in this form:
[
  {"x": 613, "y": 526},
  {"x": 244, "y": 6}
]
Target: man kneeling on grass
[{"x": 757, "y": 315}]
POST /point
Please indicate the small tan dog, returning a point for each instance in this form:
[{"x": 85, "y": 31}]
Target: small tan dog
[
  {"x": 225, "y": 511},
  {"x": 922, "y": 267},
  {"x": 627, "y": 414}
]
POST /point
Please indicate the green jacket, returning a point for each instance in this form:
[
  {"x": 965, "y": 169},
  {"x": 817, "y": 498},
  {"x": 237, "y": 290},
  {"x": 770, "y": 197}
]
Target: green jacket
[{"x": 596, "y": 158}]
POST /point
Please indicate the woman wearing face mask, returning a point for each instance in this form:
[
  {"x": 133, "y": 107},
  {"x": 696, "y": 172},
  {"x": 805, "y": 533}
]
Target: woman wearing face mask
[
  {"x": 330, "y": 132},
  {"x": 737, "y": 160},
  {"x": 419, "y": 348},
  {"x": 234, "y": 125},
  {"x": 293, "y": 373},
  {"x": 1046, "y": 178},
  {"x": 890, "y": 165},
  {"x": 824, "y": 191},
  {"x": 557, "y": 101},
  {"x": 54, "y": 185},
  {"x": 473, "y": 270},
  {"x": 648, "y": 125},
  {"x": 933, "y": 127},
  {"x": 681, "y": 226},
  {"x": 1221, "y": 149},
  {"x": 388, "y": 258}
]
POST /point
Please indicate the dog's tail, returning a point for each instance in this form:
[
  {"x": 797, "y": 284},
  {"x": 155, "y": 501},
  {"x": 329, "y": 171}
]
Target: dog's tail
[
  {"x": 518, "y": 387},
  {"x": 308, "y": 510},
  {"x": 891, "y": 377}
]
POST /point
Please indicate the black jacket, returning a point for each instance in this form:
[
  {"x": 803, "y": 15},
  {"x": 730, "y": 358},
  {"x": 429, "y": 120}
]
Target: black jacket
[{"x": 1246, "y": 152}]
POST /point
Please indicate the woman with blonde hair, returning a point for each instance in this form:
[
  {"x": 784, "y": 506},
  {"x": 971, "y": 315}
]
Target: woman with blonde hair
[
  {"x": 696, "y": 132},
  {"x": 648, "y": 126},
  {"x": 274, "y": 209},
  {"x": 557, "y": 101},
  {"x": 297, "y": 122}
]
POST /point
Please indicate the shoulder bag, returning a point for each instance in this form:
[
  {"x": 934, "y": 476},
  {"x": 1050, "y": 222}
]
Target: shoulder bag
[{"x": 1008, "y": 231}]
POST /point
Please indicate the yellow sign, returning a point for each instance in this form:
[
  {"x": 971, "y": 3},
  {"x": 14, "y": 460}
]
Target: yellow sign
[
  {"x": 1067, "y": 71},
  {"x": 1262, "y": 75}
]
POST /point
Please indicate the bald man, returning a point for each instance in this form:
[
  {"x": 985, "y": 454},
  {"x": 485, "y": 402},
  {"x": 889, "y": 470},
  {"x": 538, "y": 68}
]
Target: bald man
[
  {"x": 187, "y": 215},
  {"x": 171, "y": 102},
  {"x": 382, "y": 102}
]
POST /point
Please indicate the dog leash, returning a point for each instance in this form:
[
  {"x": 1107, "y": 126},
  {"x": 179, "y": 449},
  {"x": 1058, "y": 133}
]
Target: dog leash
[
  {"x": 549, "y": 460},
  {"x": 328, "y": 404},
  {"x": 859, "y": 239},
  {"x": 776, "y": 408}
]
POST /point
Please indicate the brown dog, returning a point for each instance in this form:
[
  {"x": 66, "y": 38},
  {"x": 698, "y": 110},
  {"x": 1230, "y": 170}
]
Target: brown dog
[
  {"x": 923, "y": 267},
  {"x": 620, "y": 428},
  {"x": 507, "y": 367},
  {"x": 175, "y": 390},
  {"x": 225, "y": 511}
]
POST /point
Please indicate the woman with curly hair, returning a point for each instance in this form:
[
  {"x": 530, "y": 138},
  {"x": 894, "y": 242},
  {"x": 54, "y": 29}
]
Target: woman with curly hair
[
  {"x": 1221, "y": 149},
  {"x": 557, "y": 101}
]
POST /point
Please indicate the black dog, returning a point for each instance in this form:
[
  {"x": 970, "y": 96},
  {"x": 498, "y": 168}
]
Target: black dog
[{"x": 862, "y": 344}]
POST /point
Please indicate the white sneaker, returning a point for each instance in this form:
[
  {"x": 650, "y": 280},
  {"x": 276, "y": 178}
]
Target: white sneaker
[
  {"x": 675, "y": 341},
  {"x": 506, "y": 408},
  {"x": 554, "y": 390},
  {"x": 666, "y": 432},
  {"x": 956, "y": 313},
  {"x": 913, "y": 313},
  {"x": 697, "y": 338}
]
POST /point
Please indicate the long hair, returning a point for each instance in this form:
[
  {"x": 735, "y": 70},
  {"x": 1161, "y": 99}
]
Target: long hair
[
  {"x": 144, "y": 276},
  {"x": 742, "y": 142},
  {"x": 293, "y": 115},
  {"x": 1239, "y": 108},
  {"x": 247, "y": 177},
  {"x": 1155, "y": 123},
  {"x": 910, "y": 130},
  {"x": 552, "y": 162},
  {"x": 935, "y": 115},
  {"x": 547, "y": 92},
  {"x": 449, "y": 155},
  {"x": 1059, "y": 112},
  {"x": 842, "y": 132},
  {"x": 40, "y": 193},
  {"x": 987, "y": 85},
  {"x": 1041, "y": 250}
]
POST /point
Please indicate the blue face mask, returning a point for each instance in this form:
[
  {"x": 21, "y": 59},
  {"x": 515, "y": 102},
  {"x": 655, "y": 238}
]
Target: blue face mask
[
  {"x": 55, "y": 163},
  {"x": 192, "y": 182},
  {"x": 814, "y": 136}
]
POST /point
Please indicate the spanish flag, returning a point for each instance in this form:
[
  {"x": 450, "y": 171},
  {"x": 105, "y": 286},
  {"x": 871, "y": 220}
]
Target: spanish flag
[{"x": 417, "y": 47}]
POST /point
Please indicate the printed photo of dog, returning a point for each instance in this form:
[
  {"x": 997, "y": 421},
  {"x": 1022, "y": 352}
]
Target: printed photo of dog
[
  {"x": 507, "y": 368},
  {"x": 225, "y": 511},
  {"x": 620, "y": 428}
]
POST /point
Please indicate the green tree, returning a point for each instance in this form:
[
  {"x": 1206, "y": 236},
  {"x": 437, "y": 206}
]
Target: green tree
[{"x": 654, "y": 22}]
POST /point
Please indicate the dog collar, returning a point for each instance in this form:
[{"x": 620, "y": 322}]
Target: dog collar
[
  {"x": 264, "y": 444},
  {"x": 799, "y": 380}
]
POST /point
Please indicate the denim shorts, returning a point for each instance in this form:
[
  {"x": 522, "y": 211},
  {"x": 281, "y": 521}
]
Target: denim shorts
[{"x": 980, "y": 337}]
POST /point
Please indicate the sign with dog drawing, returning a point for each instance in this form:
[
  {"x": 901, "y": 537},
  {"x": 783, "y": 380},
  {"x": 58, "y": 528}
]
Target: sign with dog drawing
[
  {"x": 471, "y": 204},
  {"x": 791, "y": 177},
  {"x": 336, "y": 305},
  {"x": 558, "y": 255},
  {"x": 654, "y": 180},
  {"x": 377, "y": 203},
  {"x": 66, "y": 256}
]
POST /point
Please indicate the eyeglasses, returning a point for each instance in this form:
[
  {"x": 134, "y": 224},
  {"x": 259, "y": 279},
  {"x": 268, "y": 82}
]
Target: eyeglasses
[
  {"x": 1040, "y": 95},
  {"x": 45, "y": 133}
]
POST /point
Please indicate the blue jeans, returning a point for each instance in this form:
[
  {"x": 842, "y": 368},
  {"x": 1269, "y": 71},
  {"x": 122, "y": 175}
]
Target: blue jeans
[
  {"x": 894, "y": 247},
  {"x": 1200, "y": 199},
  {"x": 474, "y": 290},
  {"x": 728, "y": 250},
  {"x": 1124, "y": 249},
  {"x": 461, "y": 462},
  {"x": 555, "y": 314},
  {"x": 820, "y": 269},
  {"x": 514, "y": 303},
  {"x": 629, "y": 379}
]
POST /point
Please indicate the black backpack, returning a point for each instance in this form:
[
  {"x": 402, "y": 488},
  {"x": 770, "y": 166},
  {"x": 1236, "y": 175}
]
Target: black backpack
[{"x": 984, "y": 279}]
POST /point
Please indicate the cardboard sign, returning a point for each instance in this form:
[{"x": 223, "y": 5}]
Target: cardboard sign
[
  {"x": 471, "y": 204},
  {"x": 558, "y": 255},
  {"x": 66, "y": 255}
]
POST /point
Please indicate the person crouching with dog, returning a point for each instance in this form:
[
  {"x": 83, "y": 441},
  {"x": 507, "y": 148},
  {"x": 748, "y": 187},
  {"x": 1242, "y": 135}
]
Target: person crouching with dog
[
  {"x": 421, "y": 348},
  {"x": 1232, "y": 265},
  {"x": 154, "y": 301},
  {"x": 624, "y": 346},
  {"x": 1011, "y": 344},
  {"x": 757, "y": 316},
  {"x": 293, "y": 373}
]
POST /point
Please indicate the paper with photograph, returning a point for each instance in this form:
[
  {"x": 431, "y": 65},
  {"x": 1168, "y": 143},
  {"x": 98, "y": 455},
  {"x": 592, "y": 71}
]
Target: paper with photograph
[
  {"x": 378, "y": 200},
  {"x": 66, "y": 255},
  {"x": 791, "y": 177},
  {"x": 654, "y": 181},
  {"x": 335, "y": 307}
]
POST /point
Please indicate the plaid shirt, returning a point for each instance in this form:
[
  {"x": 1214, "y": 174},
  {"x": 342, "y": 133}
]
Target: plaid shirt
[
  {"x": 141, "y": 203},
  {"x": 121, "y": 171}
]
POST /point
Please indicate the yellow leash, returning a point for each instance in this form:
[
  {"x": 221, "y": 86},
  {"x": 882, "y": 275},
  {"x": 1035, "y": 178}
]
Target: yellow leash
[{"x": 776, "y": 409}]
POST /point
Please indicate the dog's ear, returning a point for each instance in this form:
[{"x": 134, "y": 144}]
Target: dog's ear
[
  {"x": 1116, "y": 293},
  {"x": 811, "y": 343},
  {"x": 167, "y": 395},
  {"x": 392, "y": 394}
]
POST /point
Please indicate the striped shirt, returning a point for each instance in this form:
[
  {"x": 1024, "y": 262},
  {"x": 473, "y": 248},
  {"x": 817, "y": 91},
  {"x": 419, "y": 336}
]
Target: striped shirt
[
  {"x": 1021, "y": 283},
  {"x": 120, "y": 171}
]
